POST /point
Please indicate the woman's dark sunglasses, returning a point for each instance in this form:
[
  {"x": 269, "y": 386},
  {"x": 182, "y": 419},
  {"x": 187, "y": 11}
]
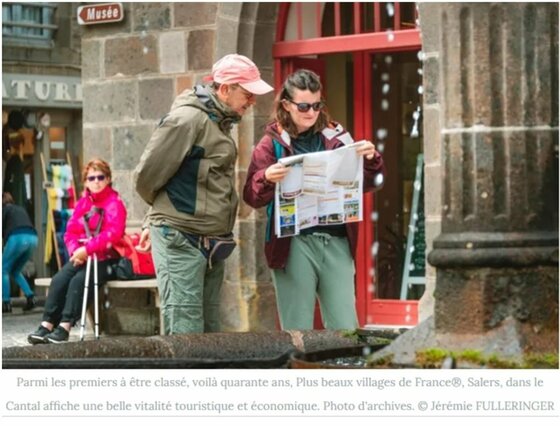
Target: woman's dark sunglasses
[
  {"x": 100, "y": 178},
  {"x": 304, "y": 106}
]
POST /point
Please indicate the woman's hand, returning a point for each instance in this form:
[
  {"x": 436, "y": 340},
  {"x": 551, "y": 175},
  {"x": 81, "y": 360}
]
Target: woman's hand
[
  {"x": 276, "y": 172},
  {"x": 367, "y": 150},
  {"x": 79, "y": 257},
  {"x": 145, "y": 243}
]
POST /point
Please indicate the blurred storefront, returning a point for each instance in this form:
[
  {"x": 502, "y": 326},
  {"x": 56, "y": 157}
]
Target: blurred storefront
[{"x": 41, "y": 104}]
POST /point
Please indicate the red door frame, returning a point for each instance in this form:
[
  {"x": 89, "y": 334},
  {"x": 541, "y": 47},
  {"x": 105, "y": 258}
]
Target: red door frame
[
  {"x": 363, "y": 46},
  {"x": 363, "y": 130}
]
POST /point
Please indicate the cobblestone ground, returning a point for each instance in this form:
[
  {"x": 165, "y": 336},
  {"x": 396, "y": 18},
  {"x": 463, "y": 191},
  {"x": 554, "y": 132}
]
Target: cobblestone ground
[{"x": 18, "y": 324}]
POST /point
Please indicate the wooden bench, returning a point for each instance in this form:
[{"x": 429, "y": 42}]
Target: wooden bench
[{"x": 149, "y": 284}]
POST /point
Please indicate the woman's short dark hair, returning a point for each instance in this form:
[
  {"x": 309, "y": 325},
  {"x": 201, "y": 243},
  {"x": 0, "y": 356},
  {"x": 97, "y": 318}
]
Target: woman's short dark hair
[{"x": 301, "y": 80}]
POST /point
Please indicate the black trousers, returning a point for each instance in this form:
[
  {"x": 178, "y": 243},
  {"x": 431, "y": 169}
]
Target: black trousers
[{"x": 66, "y": 292}]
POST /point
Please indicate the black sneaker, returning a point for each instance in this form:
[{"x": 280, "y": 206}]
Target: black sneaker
[
  {"x": 31, "y": 303},
  {"x": 38, "y": 336},
  {"x": 58, "y": 335},
  {"x": 6, "y": 307}
]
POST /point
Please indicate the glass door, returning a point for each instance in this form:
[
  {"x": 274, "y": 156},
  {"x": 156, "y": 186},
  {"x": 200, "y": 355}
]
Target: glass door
[{"x": 390, "y": 115}]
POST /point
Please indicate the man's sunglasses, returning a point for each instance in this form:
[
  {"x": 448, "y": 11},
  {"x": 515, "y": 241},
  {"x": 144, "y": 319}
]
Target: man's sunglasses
[
  {"x": 304, "y": 106},
  {"x": 100, "y": 178}
]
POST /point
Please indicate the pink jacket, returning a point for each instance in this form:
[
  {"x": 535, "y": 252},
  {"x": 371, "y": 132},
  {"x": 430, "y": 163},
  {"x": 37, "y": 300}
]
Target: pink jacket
[{"x": 112, "y": 226}]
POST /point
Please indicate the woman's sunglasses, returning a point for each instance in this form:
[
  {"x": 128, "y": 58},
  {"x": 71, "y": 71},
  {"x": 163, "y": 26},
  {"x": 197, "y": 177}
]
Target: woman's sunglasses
[
  {"x": 304, "y": 106},
  {"x": 100, "y": 178}
]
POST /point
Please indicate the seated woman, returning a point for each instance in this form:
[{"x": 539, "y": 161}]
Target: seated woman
[{"x": 102, "y": 210}]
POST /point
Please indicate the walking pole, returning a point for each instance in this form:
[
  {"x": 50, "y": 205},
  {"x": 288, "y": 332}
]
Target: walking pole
[
  {"x": 86, "y": 284},
  {"x": 84, "y": 302},
  {"x": 95, "y": 276},
  {"x": 96, "y": 295}
]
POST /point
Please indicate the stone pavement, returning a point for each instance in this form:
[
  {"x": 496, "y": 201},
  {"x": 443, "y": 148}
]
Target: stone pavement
[{"x": 18, "y": 324}]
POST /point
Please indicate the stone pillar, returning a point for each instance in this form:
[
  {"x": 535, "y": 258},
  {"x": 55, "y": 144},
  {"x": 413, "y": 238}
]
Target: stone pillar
[{"x": 494, "y": 68}]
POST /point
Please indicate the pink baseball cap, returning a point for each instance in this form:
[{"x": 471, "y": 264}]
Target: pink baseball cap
[{"x": 238, "y": 69}]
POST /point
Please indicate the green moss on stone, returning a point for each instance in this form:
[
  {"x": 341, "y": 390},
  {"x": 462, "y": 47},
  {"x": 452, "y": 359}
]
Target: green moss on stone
[
  {"x": 431, "y": 358},
  {"x": 384, "y": 361},
  {"x": 434, "y": 357},
  {"x": 352, "y": 335}
]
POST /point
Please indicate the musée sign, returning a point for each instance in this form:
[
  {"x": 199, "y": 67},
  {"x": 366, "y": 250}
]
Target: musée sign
[{"x": 100, "y": 13}]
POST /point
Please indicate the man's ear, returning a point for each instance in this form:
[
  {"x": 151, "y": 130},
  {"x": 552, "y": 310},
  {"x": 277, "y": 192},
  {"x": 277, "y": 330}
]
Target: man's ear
[{"x": 223, "y": 92}]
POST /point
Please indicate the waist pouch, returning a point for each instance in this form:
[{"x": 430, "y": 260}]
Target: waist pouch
[{"x": 215, "y": 249}]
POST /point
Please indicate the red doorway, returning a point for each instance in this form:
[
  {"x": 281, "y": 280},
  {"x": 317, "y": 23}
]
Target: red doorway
[{"x": 349, "y": 48}]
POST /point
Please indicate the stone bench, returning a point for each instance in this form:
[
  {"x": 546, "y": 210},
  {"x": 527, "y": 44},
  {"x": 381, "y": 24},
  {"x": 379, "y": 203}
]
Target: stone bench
[{"x": 147, "y": 284}]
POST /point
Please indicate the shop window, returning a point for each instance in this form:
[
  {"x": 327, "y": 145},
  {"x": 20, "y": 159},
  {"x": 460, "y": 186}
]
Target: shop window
[
  {"x": 29, "y": 23},
  {"x": 57, "y": 138}
]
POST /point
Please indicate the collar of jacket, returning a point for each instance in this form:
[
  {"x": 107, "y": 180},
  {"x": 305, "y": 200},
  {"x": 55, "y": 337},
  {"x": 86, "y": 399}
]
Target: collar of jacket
[
  {"x": 100, "y": 196},
  {"x": 333, "y": 134},
  {"x": 218, "y": 112}
]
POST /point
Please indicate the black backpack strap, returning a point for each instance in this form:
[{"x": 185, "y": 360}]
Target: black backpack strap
[{"x": 94, "y": 210}]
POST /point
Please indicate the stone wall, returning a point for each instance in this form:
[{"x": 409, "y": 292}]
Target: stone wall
[{"x": 132, "y": 71}]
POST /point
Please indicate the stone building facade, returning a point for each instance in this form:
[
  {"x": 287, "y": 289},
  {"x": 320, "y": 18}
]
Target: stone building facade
[{"x": 132, "y": 71}]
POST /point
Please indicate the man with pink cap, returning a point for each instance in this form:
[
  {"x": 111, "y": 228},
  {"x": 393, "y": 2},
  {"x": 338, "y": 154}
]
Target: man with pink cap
[{"x": 187, "y": 176}]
